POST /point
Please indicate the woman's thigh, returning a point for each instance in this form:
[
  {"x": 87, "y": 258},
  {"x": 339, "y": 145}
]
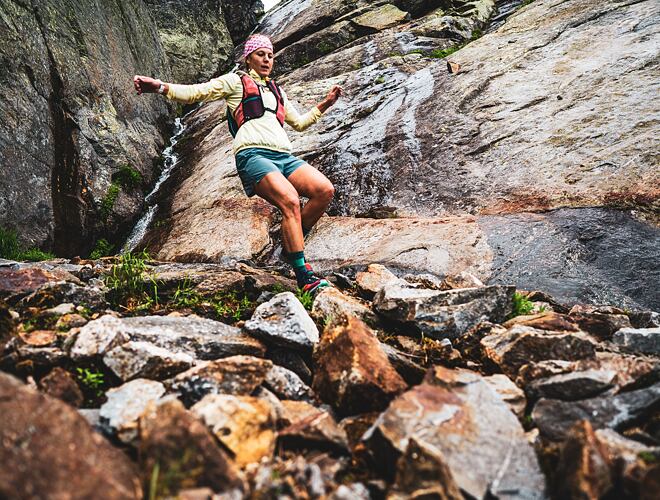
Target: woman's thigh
[
  {"x": 308, "y": 181},
  {"x": 277, "y": 190}
]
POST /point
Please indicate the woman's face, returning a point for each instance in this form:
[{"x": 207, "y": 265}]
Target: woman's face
[{"x": 261, "y": 60}]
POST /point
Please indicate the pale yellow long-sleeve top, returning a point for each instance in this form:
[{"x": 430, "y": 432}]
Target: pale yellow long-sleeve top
[{"x": 265, "y": 132}]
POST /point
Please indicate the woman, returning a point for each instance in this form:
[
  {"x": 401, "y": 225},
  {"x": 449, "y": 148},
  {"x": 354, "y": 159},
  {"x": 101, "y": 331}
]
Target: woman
[{"x": 257, "y": 110}]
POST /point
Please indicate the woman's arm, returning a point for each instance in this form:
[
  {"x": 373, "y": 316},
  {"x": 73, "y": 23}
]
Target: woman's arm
[
  {"x": 217, "y": 88},
  {"x": 301, "y": 122}
]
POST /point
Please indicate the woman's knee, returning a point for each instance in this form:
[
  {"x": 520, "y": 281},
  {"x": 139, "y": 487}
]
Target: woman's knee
[
  {"x": 290, "y": 206},
  {"x": 325, "y": 192}
]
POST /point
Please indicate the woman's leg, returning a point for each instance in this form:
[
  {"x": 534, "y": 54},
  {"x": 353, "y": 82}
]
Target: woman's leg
[
  {"x": 312, "y": 184},
  {"x": 278, "y": 191}
]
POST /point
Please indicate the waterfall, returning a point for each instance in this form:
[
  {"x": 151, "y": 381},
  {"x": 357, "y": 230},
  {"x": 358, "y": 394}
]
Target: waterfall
[{"x": 170, "y": 161}]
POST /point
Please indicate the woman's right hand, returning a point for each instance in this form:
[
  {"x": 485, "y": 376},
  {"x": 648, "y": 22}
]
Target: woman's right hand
[{"x": 145, "y": 84}]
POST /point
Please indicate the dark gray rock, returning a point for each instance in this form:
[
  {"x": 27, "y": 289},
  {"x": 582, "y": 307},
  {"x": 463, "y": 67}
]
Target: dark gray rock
[
  {"x": 241, "y": 17},
  {"x": 641, "y": 340},
  {"x": 142, "y": 359},
  {"x": 71, "y": 120},
  {"x": 285, "y": 384},
  {"x": 555, "y": 418},
  {"x": 573, "y": 386},
  {"x": 195, "y": 37},
  {"x": 444, "y": 314}
]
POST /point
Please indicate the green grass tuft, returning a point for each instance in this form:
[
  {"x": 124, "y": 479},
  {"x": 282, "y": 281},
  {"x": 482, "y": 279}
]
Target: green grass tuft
[
  {"x": 305, "y": 298},
  {"x": 108, "y": 201},
  {"x": 11, "y": 249},
  {"x": 128, "y": 177},
  {"x": 521, "y": 305},
  {"x": 129, "y": 283},
  {"x": 101, "y": 249}
]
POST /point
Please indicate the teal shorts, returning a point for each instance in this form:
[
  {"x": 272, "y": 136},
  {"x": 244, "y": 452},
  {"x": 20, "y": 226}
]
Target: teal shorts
[{"x": 253, "y": 164}]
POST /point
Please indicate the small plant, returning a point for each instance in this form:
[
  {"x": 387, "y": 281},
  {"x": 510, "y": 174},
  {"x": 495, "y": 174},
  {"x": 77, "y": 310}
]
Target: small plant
[
  {"x": 130, "y": 284},
  {"x": 128, "y": 177},
  {"x": 35, "y": 255},
  {"x": 521, "y": 305},
  {"x": 185, "y": 296},
  {"x": 277, "y": 288},
  {"x": 324, "y": 47},
  {"x": 442, "y": 53},
  {"x": 231, "y": 305},
  {"x": 380, "y": 79},
  {"x": 647, "y": 457},
  {"x": 93, "y": 380},
  {"x": 305, "y": 298},
  {"x": 108, "y": 201},
  {"x": 101, "y": 249}
]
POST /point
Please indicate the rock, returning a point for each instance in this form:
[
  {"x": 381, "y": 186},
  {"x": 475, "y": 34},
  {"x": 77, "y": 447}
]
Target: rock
[
  {"x": 330, "y": 304},
  {"x": 61, "y": 309},
  {"x": 510, "y": 393},
  {"x": 17, "y": 283},
  {"x": 407, "y": 366},
  {"x": 141, "y": 359},
  {"x": 545, "y": 321},
  {"x": 554, "y": 418},
  {"x": 356, "y": 425},
  {"x": 241, "y": 17},
  {"x": 55, "y": 293},
  {"x": 48, "y": 450},
  {"x": 244, "y": 424},
  {"x": 195, "y": 38},
  {"x": 119, "y": 415},
  {"x": 195, "y": 337},
  {"x": 423, "y": 473},
  {"x": 285, "y": 384},
  {"x": 644, "y": 319},
  {"x": 60, "y": 384},
  {"x": 352, "y": 373},
  {"x": 520, "y": 345},
  {"x": 631, "y": 370},
  {"x": 461, "y": 280},
  {"x": 183, "y": 451},
  {"x": 237, "y": 375},
  {"x": 7, "y": 322},
  {"x": 69, "y": 321},
  {"x": 292, "y": 360},
  {"x": 640, "y": 340},
  {"x": 284, "y": 321},
  {"x": 444, "y": 314},
  {"x": 583, "y": 470},
  {"x": 38, "y": 338},
  {"x": 311, "y": 428},
  {"x": 449, "y": 413},
  {"x": 601, "y": 322},
  {"x": 381, "y": 18},
  {"x": 375, "y": 277},
  {"x": 573, "y": 386},
  {"x": 425, "y": 280}
]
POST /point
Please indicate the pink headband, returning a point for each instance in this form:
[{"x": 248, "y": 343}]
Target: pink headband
[{"x": 256, "y": 42}]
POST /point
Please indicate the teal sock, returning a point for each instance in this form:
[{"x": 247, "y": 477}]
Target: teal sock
[{"x": 296, "y": 259}]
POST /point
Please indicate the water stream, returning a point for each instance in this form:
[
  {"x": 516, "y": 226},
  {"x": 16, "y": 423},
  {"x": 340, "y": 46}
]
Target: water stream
[{"x": 170, "y": 160}]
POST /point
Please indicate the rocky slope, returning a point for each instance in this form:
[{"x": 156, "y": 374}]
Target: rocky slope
[
  {"x": 78, "y": 148},
  {"x": 530, "y": 161},
  {"x": 382, "y": 387}
]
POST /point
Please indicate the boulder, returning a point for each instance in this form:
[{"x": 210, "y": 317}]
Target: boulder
[
  {"x": 555, "y": 418},
  {"x": 237, "y": 375},
  {"x": 573, "y": 386},
  {"x": 60, "y": 384},
  {"x": 142, "y": 359},
  {"x": 330, "y": 304},
  {"x": 176, "y": 449},
  {"x": 510, "y": 393},
  {"x": 444, "y": 314},
  {"x": 120, "y": 414},
  {"x": 286, "y": 384},
  {"x": 454, "y": 413},
  {"x": 245, "y": 425},
  {"x": 195, "y": 337},
  {"x": 640, "y": 340},
  {"x": 311, "y": 428},
  {"x": 375, "y": 277},
  {"x": 353, "y": 374},
  {"x": 600, "y": 321},
  {"x": 49, "y": 450},
  {"x": 520, "y": 345},
  {"x": 283, "y": 321}
]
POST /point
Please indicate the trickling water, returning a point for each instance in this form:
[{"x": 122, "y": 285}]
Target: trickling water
[{"x": 170, "y": 161}]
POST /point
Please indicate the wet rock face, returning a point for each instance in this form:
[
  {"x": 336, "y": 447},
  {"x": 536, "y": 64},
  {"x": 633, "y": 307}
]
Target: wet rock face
[
  {"x": 352, "y": 371},
  {"x": 72, "y": 120},
  {"x": 56, "y": 444},
  {"x": 241, "y": 17},
  {"x": 446, "y": 413}
]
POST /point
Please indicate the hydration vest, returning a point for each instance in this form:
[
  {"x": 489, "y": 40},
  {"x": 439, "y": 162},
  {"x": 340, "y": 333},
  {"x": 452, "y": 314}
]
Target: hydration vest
[{"x": 252, "y": 104}]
